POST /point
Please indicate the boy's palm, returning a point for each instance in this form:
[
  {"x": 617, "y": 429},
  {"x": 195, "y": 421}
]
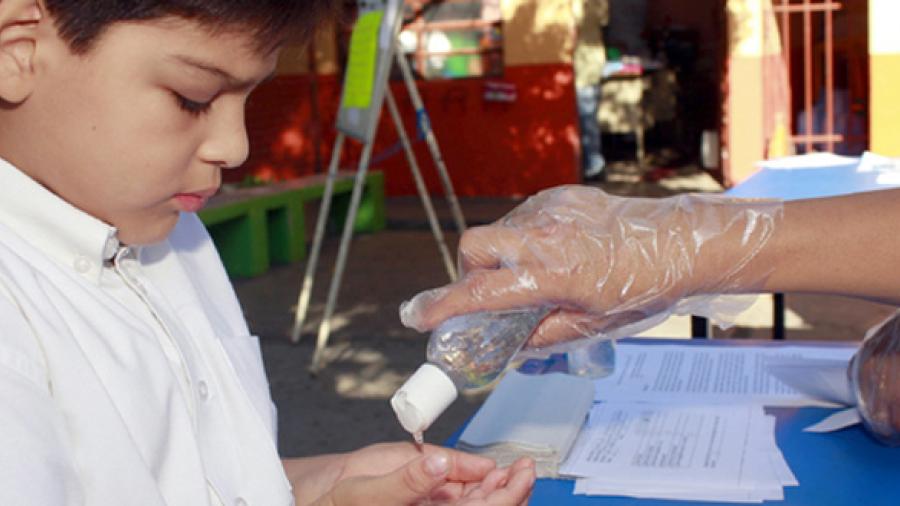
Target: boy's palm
[{"x": 390, "y": 474}]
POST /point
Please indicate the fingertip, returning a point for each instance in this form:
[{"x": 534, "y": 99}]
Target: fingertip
[
  {"x": 414, "y": 313},
  {"x": 521, "y": 483},
  {"x": 523, "y": 463},
  {"x": 467, "y": 466},
  {"x": 528, "y": 475},
  {"x": 437, "y": 464}
]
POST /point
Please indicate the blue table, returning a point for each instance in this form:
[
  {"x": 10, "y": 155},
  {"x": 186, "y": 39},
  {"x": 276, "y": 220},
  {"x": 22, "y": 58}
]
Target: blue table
[
  {"x": 798, "y": 184},
  {"x": 840, "y": 468}
]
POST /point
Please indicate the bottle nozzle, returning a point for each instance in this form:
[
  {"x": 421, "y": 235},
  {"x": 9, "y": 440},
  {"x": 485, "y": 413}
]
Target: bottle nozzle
[{"x": 424, "y": 396}]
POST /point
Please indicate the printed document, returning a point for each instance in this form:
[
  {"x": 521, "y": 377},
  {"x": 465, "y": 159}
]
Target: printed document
[
  {"x": 721, "y": 453},
  {"x": 686, "y": 374}
]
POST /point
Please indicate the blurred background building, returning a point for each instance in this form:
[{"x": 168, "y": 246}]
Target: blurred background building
[{"x": 720, "y": 83}]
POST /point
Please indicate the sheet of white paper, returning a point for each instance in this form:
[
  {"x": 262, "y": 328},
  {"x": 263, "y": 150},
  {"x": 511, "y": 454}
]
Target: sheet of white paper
[
  {"x": 871, "y": 162},
  {"x": 824, "y": 379},
  {"x": 629, "y": 442},
  {"x": 687, "y": 374},
  {"x": 836, "y": 421},
  {"x": 768, "y": 445},
  {"x": 712, "y": 453},
  {"x": 808, "y": 161},
  {"x": 888, "y": 178}
]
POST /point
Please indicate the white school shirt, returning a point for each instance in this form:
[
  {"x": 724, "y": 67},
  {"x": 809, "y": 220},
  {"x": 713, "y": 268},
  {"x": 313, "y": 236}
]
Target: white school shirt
[{"x": 127, "y": 376}]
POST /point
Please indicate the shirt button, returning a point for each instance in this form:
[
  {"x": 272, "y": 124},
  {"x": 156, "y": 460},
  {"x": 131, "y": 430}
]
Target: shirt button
[
  {"x": 240, "y": 501},
  {"x": 203, "y": 392},
  {"x": 82, "y": 264}
]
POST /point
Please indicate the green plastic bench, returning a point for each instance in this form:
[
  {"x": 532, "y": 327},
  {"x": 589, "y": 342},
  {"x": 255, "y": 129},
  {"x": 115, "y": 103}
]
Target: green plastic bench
[{"x": 255, "y": 227}]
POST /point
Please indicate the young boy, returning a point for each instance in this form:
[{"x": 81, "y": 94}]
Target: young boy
[{"x": 127, "y": 372}]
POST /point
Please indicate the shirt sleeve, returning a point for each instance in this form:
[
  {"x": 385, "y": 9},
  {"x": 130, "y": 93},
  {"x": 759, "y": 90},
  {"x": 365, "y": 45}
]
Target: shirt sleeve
[{"x": 35, "y": 463}]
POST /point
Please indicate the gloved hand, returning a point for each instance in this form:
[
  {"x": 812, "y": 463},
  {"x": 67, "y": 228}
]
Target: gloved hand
[
  {"x": 606, "y": 263},
  {"x": 875, "y": 380}
]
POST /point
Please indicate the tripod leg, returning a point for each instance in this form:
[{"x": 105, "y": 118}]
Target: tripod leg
[
  {"x": 325, "y": 326},
  {"x": 431, "y": 140},
  {"x": 420, "y": 186},
  {"x": 324, "y": 207}
]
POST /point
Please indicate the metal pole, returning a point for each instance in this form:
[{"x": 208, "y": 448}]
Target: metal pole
[
  {"x": 431, "y": 140},
  {"x": 420, "y": 185},
  {"x": 325, "y": 326},
  {"x": 324, "y": 207},
  {"x": 829, "y": 80},
  {"x": 807, "y": 74},
  {"x": 700, "y": 327},
  {"x": 778, "y": 316},
  {"x": 786, "y": 46}
]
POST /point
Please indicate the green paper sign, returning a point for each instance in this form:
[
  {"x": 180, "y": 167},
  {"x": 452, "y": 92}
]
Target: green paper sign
[{"x": 360, "y": 77}]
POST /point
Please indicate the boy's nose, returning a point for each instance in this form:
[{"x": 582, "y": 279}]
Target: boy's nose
[{"x": 227, "y": 144}]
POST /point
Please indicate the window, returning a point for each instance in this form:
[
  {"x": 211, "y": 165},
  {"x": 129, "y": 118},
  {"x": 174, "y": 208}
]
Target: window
[{"x": 453, "y": 39}]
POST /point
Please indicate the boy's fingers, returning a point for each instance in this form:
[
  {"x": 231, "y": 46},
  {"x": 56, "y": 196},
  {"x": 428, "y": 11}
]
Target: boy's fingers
[
  {"x": 466, "y": 467},
  {"x": 493, "y": 490},
  {"x": 517, "y": 488},
  {"x": 410, "y": 484},
  {"x": 494, "y": 480},
  {"x": 522, "y": 463}
]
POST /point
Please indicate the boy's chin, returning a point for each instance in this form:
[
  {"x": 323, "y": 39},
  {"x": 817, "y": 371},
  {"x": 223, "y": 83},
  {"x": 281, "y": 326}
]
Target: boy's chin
[{"x": 146, "y": 234}]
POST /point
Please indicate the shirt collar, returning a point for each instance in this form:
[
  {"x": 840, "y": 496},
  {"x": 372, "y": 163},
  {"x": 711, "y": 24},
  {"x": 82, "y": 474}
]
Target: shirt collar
[{"x": 65, "y": 233}]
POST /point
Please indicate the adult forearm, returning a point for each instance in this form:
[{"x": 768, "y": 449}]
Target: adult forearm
[{"x": 846, "y": 245}]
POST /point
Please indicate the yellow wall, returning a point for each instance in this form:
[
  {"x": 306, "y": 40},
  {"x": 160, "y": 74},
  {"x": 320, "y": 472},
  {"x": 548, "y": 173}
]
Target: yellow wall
[
  {"x": 884, "y": 68},
  {"x": 745, "y": 141},
  {"x": 537, "y": 31}
]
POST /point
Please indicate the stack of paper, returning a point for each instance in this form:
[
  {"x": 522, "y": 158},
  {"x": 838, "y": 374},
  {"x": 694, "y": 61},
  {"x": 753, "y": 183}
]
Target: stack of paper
[
  {"x": 705, "y": 453},
  {"x": 687, "y": 422},
  {"x": 535, "y": 416}
]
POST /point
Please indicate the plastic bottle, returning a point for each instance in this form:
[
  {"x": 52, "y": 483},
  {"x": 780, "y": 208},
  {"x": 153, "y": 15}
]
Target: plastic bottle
[
  {"x": 464, "y": 352},
  {"x": 595, "y": 358}
]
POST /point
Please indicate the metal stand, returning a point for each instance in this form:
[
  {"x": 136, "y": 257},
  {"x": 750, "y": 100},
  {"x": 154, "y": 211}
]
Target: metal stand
[{"x": 331, "y": 301}]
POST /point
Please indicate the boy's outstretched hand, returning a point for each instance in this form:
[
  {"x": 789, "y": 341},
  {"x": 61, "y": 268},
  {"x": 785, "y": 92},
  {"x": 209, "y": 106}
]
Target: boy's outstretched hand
[{"x": 398, "y": 474}]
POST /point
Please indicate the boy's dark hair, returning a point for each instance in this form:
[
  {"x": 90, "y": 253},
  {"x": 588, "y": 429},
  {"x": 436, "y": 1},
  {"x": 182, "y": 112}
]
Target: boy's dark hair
[{"x": 81, "y": 22}]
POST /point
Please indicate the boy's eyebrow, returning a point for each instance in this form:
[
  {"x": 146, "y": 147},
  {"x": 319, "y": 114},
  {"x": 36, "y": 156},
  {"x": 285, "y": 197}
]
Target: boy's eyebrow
[{"x": 232, "y": 81}]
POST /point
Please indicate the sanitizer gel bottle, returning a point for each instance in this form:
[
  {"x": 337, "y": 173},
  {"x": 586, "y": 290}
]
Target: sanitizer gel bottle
[{"x": 464, "y": 352}]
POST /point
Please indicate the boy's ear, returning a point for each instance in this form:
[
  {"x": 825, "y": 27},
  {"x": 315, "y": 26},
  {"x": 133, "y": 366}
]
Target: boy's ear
[{"x": 18, "y": 26}]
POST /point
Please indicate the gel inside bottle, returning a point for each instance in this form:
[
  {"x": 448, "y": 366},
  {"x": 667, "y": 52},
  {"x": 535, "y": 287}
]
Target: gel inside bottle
[{"x": 465, "y": 352}]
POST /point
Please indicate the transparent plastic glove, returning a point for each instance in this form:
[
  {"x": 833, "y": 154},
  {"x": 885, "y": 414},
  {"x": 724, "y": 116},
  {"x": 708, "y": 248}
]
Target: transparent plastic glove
[
  {"x": 611, "y": 266},
  {"x": 875, "y": 380}
]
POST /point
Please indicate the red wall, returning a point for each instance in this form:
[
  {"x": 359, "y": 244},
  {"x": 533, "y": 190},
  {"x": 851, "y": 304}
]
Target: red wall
[{"x": 490, "y": 148}]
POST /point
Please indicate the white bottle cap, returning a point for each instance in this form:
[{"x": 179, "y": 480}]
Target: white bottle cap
[{"x": 424, "y": 396}]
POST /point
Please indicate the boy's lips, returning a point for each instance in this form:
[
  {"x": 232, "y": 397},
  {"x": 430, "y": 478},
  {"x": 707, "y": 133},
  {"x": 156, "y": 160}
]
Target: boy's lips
[{"x": 194, "y": 201}]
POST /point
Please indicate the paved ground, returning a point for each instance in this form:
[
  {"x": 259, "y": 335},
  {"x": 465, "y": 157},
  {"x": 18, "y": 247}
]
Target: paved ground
[{"x": 370, "y": 353}]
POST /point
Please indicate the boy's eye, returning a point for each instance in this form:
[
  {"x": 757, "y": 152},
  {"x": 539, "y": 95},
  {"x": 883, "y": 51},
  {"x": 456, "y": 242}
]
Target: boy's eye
[{"x": 191, "y": 106}]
